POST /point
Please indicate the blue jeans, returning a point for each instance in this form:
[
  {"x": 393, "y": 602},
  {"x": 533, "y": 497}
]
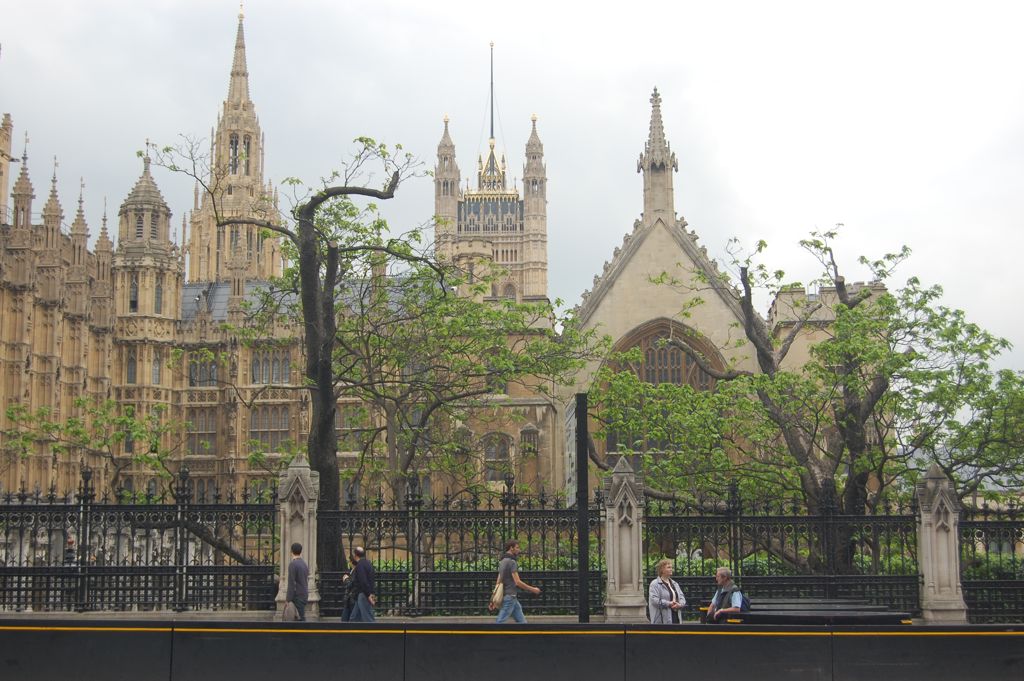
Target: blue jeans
[
  {"x": 362, "y": 611},
  {"x": 510, "y": 607}
]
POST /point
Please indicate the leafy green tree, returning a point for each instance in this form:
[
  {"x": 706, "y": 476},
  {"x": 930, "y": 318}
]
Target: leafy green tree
[
  {"x": 417, "y": 345},
  {"x": 890, "y": 380},
  {"x": 98, "y": 431}
]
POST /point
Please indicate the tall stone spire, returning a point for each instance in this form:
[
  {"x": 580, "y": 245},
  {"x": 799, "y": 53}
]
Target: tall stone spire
[
  {"x": 79, "y": 230},
  {"x": 236, "y": 176},
  {"x": 23, "y": 194},
  {"x": 238, "y": 89},
  {"x": 53, "y": 214},
  {"x": 657, "y": 163}
]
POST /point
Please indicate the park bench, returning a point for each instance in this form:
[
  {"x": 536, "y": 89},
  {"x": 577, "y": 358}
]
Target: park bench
[{"x": 817, "y": 611}]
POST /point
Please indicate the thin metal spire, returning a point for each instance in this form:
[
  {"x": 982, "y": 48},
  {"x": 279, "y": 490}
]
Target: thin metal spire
[{"x": 492, "y": 89}]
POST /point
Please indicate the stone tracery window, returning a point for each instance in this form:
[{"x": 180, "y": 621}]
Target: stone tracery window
[
  {"x": 497, "y": 457},
  {"x": 664, "y": 363},
  {"x": 202, "y": 430},
  {"x": 269, "y": 426},
  {"x": 233, "y": 153}
]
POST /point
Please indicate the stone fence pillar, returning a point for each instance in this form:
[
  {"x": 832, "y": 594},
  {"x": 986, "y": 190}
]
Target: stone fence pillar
[
  {"x": 623, "y": 546},
  {"x": 299, "y": 494},
  {"x": 938, "y": 546}
]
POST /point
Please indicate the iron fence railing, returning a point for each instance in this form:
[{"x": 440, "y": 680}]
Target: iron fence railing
[
  {"x": 439, "y": 556},
  {"x": 777, "y": 550},
  {"x": 136, "y": 553},
  {"x": 992, "y": 563}
]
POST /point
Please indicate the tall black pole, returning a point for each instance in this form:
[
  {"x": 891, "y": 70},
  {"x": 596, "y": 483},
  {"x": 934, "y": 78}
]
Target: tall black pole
[{"x": 582, "y": 507}]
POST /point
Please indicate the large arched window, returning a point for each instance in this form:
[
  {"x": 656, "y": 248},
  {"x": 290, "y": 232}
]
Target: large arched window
[
  {"x": 666, "y": 363},
  {"x": 663, "y": 362}
]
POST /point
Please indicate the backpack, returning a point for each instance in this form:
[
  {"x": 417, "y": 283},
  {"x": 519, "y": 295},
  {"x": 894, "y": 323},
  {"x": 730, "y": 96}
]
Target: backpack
[{"x": 745, "y": 604}]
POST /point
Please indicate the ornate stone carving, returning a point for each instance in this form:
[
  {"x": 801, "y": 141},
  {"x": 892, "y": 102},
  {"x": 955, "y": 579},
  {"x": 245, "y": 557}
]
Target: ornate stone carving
[
  {"x": 624, "y": 600},
  {"x": 938, "y": 540}
]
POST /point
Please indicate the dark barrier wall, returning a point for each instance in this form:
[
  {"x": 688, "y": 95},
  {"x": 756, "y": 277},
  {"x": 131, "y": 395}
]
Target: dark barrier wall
[
  {"x": 531, "y": 652},
  {"x": 925, "y": 653},
  {"x": 722, "y": 652},
  {"x": 50, "y": 650},
  {"x": 272, "y": 652},
  {"x": 67, "y": 650}
]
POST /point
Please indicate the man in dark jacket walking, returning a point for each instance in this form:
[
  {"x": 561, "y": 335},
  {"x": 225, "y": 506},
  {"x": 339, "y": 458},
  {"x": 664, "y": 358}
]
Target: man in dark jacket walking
[
  {"x": 298, "y": 582},
  {"x": 363, "y": 587}
]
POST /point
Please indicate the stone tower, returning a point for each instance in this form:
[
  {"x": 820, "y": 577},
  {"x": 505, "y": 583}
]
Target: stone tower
[
  {"x": 148, "y": 276},
  {"x": 236, "y": 176},
  {"x": 493, "y": 223}
]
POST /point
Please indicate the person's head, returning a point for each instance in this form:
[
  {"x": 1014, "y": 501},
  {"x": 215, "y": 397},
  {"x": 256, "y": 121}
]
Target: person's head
[
  {"x": 663, "y": 567},
  {"x": 512, "y": 547},
  {"x": 723, "y": 575},
  {"x": 296, "y": 549},
  {"x": 359, "y": 553}
]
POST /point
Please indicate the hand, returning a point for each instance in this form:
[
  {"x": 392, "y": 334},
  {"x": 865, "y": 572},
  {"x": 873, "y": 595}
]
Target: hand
[
  {"x": 344, "y": 577},
  {"x": 536, "y": 590},
  {"x": 373, "y": 599},
  {"x": 674, "y": 605},
  {"x": 491, "y": 607}
]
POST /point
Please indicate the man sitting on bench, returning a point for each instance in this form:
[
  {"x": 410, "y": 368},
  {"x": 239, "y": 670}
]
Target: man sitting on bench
[{"x": 727, "y": 600}]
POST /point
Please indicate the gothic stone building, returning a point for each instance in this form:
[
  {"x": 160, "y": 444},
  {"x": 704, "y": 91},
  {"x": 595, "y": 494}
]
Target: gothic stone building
[
  {"x": 125, "y": 321},
  {"x": 112, "y": 322}
]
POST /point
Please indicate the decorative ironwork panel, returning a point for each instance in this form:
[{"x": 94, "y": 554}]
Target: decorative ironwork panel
[
  {"x": 775, "y": 551},
  {"x": 992, "y": 564},
  {"x": 440, "y": 556},
  {"x": 83, "y": 554}
]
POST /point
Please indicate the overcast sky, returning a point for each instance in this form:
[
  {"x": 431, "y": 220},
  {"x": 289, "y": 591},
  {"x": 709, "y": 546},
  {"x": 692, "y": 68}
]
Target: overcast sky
[{"x": 904, "y": 121}]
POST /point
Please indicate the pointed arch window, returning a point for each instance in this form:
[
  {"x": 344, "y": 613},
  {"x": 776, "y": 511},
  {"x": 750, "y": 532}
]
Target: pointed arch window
[
  {"x": 140, "y": 226},
  {"x": 154, "y": 225},
  {"x": 157, "y": 366},
  {"x": 247, "y": 148},
  {"x": 497, "y": 459},
  {"x": 665, "y": 363},
  {"x": 233, "y": 153},
  {"x": 131, "y": 367},
  {"x": 158, "y": 295},
  {"x": 133, "y": 294}
]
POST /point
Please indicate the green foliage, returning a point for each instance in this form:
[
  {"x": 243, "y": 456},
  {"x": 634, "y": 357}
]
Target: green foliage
[
  {"x": 894, "y": 381},
  {"x": 97, "y": 428}
]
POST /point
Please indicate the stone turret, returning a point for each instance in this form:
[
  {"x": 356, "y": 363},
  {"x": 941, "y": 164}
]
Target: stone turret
[
  {"x": 446, "y": 188},
  {"x": 657, "y": 163}
]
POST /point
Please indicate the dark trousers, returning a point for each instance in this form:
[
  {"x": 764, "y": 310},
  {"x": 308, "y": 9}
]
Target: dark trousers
[{"x": 300, "y": 607}]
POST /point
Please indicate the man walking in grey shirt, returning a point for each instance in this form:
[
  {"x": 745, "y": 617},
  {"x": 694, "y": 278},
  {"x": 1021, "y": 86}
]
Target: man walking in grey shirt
[
  {"x": 298, "y": 578},
  {"x": 508, "y": 575}
]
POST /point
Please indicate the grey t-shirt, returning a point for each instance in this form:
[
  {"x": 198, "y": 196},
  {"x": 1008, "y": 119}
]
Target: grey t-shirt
[{"x": 506, "y": 567}]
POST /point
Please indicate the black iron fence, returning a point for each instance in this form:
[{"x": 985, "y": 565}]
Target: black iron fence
[
  {"x": 992, "y": 563},
  {"x": 439, "y": 556},
  {"x": 137, "y": 553},
  {"x": 777, "y": 550}
]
